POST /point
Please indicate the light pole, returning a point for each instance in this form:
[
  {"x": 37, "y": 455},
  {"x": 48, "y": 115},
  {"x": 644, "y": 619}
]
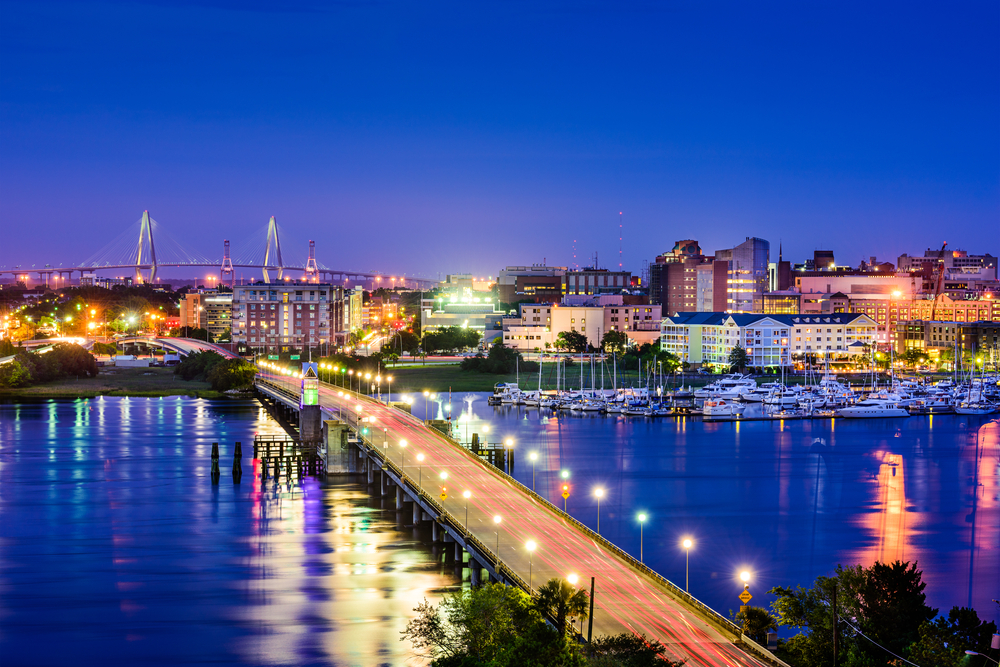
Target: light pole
[
  {"x": 496, "y": 522},
  {"x": 427, "y": 400},
  {"x": 599, "y": 492},
  {"x": 368, "y": 376},
  {"x": 687, "y": 543},
  {"x": 530, "y": 546},
  {"x": 444, "y": 489},
  {"x": 642, "y": 520},
  {"x": 985, "y": 656},
  {"x": 534, "y": 457},
  {"x": 420, "y": 476},
  {"x": 467, "y": 495},
  {"x": 402, "y": 456},
  {"x": 565, "y": 488},
  {"x": 351, "y": 374},
  {"x": 388, "y": 396},
  {"x": 508, "y": 444}
]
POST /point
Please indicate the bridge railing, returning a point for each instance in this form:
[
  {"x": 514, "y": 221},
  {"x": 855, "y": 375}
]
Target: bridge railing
[{"x": 708, "y": 614}]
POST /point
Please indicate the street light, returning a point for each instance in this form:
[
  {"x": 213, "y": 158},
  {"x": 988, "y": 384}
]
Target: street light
[
  {"x": 642, "y": 520},
  {"x": 427, "y": 400},
  {"x": 402, "y": 455},
  {"x": 388, "y": 396},
  {"x": 530, "y": 546},
  {"x": 534, "y": 457},
  {"x": 687, "y": 544},
  {"x": 985, "y": 656},
  {"x": 467, "y": 494},
  {"x": 599, "y": 492},
  {"x": 420, "y": 478},
  {"x": 508, "y": 444},
  {"x": 496, "y": 523},
  {"x": 572, "y": 578}
]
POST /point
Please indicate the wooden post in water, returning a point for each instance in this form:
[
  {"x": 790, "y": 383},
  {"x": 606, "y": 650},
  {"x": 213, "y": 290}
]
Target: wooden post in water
[
  {"x": 215, "y": 463},
  {"x": 238, "y": 463}
]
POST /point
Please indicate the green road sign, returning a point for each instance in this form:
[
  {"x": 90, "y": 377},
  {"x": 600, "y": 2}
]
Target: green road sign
[
  {"x": 294, "y": 357},
  {"x": 273, "y": 357}
]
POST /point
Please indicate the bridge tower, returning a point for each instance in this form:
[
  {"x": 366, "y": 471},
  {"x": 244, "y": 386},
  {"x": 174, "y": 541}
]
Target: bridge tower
[
  {"x": 312, "y": 269},
  {"x": 272, "y": 258},
  {"x": 227, "y": 265},
  {"x": 145, "y": 257}
]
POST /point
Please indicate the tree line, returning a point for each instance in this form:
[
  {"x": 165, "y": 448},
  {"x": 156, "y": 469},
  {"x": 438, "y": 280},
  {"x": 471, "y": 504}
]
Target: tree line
[{"x": 30, "y": 368}]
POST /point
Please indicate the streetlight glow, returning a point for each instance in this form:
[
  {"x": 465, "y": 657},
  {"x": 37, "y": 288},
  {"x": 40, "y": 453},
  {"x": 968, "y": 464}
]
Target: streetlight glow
[
  {"x": 572, "y": 579},
  {"x": 745, "y": 576}
]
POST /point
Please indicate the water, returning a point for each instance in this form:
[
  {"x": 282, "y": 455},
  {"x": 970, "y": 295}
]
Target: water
[
  {"x": 787, "y": 501},
  {"x": 116, "y": 548}
]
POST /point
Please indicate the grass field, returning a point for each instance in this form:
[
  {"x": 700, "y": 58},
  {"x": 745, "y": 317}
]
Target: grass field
[{"x": 117, "y": 382}]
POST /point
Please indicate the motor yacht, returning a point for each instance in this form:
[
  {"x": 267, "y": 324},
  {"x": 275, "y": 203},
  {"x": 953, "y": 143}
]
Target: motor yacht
[{"x": 873, "y": 408}]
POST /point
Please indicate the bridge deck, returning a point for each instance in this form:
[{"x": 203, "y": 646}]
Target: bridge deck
[{"x": 629, "y": 596}]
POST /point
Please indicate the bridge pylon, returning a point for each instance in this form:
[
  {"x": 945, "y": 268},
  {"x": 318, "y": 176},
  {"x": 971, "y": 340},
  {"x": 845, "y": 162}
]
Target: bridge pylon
[
  {"x": 145, "y": 256},
  {"x": 312, "y": 269},
  {"x": 272, "y": 257},
  {"x": 227, "y": 265}
]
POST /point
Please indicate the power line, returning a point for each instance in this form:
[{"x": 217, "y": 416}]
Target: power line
[{"x": 877, "y": 644}]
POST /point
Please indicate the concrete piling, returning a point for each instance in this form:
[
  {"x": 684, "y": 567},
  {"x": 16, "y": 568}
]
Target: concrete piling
[
  {"x": 238, "y": 463},
  {"x": 215, "y": 462}
]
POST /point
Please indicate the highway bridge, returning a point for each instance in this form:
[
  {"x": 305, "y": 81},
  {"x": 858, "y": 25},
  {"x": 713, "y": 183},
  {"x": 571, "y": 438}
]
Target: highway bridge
[
  {"x": 145, "y": 247},
  {"x": 629, "y": 596}
]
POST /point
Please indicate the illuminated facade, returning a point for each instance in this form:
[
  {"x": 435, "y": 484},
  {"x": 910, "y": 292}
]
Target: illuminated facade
[{"x": 281, "y": 316}]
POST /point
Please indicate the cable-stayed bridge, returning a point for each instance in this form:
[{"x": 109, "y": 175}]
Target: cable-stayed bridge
[{"x": 145, "y": 247}]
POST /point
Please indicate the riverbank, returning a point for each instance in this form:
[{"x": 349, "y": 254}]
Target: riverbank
[{"x": 118, "y": 382}]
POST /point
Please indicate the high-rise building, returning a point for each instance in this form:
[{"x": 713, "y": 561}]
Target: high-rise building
[{"x": 748, "y": 275}]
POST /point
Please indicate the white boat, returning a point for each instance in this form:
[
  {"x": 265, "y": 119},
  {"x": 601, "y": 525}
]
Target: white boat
[
  {"x": 729, "y": 387},
  {"x": 871, "y": 408},
  {"x": 722, "y": 408},
  {"x": 507, "y": 392},
  {"x": 974, "y": 409}
]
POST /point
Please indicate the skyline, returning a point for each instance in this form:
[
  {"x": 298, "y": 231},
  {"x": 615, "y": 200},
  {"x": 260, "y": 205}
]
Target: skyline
[{"x": 379, "y": 130}]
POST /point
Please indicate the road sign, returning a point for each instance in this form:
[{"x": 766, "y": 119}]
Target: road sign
[
  {"x": 444, "y": 493},
  {"x": 272, "y": 357},
  {"x": 295, "y": 357},
  {"x": 745, "y": 596},
  {"x": 565, "y": 493}
]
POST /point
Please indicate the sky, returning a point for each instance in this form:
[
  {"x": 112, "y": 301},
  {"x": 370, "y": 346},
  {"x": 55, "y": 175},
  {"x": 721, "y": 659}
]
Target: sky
[{"x": 433, "y": 138}]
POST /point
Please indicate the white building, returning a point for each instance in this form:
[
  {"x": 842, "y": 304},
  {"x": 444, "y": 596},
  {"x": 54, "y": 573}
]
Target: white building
[
  {"x": 541, "y": 323},
  {"x": 770, "y": 340}
]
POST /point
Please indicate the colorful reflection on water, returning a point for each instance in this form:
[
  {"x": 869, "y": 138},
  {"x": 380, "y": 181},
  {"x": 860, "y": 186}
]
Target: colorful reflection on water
[
  {"x": 116, "y": 548},
  {"x": 789, "y": 500}
]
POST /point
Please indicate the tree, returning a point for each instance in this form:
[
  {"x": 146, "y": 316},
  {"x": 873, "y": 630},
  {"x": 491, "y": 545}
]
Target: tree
[
  {"x": 574, "y": 341},
  {"x": 885, "y": 602},
  {"x": 7, "y": 348},
  {"x": 196, "y": 333},
  {"x": 559, "y": 599},
  {"x": 738, "y": 359},
  {"x": 756, "y": 622},
  {"x": 198, "y": 364},
  {"x": 231, "y": 374},
  {"x": 493, "y": 625},
  {"x": 629, "y": 650},
  {"x": 14, "y": 374},
  {"x": 500, "y": 361},
  {"x": 944, "y": 641},
  {"x": 614, "y": 341}
]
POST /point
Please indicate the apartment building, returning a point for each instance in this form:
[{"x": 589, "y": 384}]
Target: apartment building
[
  {"x": 207, "y": 309},
  {"x": 276, "y": 317},
  {"x": 703, "y": 339},
  {"x": 540, "y": 324}
]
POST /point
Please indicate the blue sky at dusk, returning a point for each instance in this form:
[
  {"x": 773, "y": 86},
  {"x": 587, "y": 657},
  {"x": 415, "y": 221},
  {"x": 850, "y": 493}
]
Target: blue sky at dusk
[{"x": 432, "y": 138}]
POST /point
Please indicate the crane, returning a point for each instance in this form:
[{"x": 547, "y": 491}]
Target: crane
[{"x": 940, "y": 279}]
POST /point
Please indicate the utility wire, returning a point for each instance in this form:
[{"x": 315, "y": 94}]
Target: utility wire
[{"x": 841, "y": 619}]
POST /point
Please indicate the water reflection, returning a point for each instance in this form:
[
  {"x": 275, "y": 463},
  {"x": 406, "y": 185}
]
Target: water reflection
[
  {"x": 790, "y": 499},
  {"x": 118, "y": 546}
]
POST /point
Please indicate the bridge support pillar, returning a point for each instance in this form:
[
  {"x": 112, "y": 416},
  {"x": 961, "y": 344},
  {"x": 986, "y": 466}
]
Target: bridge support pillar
[
  {"x": 399, "y": 497},
  {"x": 386, "y": 482},
  {"x": 371, "y": 472},
  {"x": 416, "y": 514},
  {"x": 434, "y": 531},
  {"x": 475, "y": 570},
  {"x": 458, "y": 553}
]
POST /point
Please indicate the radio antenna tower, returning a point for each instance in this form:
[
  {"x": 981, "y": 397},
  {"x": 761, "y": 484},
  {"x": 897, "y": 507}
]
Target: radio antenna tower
[
  {"x": 227, "y": 265},
  {"x": 312, "y": 270},
  {"x": 619, "y": 240}
]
